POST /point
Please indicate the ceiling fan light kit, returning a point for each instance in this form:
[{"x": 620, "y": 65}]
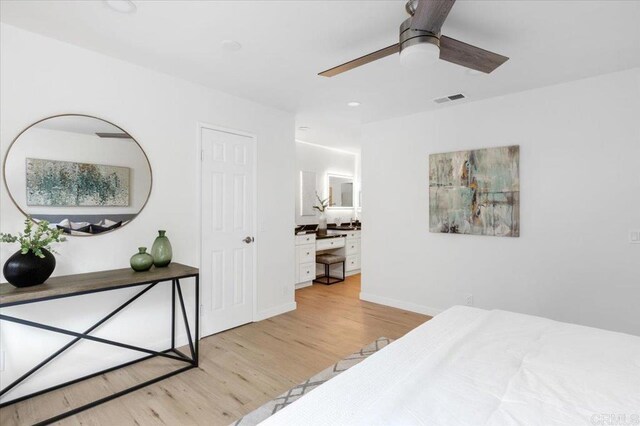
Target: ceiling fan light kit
[
  {"x": 418, "y": 49},
  {"x": 421, "y": 43},
  {"x": 419, "y": 56}
]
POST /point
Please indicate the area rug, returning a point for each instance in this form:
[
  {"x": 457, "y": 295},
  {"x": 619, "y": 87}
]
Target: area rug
[{"x": 296, "y": 392}]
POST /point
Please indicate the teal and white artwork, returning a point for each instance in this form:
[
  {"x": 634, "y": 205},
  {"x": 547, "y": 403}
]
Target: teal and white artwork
[
  {"x": 69, "y": 184},
  {"x": 475, "y": 192}
]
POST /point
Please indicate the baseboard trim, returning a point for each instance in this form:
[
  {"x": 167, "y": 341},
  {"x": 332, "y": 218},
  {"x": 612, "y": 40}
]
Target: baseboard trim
[
  {"x": 400, "y": 304},
  {"x": 303, "y": 285},
  {"x": 272, "y": 312}
]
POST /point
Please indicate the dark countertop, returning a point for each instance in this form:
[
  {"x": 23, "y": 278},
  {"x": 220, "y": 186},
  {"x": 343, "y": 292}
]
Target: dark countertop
[
  {"x": 312, "y": 229},
  {"x": 324, "y": 237},
  {"x": 321, "y": 237}
]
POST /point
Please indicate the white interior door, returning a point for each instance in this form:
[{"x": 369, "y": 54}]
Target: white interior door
[{"x": 228, "y": 210}]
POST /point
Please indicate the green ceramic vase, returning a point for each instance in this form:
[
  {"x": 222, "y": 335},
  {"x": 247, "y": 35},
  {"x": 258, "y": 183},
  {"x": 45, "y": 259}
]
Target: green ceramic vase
[
  {"x": 161, "y": 250},
  {"x": 141, "y": 261}
]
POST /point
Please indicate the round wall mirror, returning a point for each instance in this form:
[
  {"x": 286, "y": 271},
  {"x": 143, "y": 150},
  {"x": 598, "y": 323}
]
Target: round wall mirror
[{"x": 81, "y": 174}]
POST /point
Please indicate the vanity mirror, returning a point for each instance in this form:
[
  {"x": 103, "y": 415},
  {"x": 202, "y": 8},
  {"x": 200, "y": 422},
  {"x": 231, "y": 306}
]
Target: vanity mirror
[
  {"x": 82, "y": 174},
  {"x": 307, "y": 193},
  {"x": 340, "y": 191}
]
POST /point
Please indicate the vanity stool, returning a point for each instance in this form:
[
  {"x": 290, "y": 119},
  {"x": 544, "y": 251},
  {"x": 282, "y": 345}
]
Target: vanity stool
[{"x": 328, "y": 260}]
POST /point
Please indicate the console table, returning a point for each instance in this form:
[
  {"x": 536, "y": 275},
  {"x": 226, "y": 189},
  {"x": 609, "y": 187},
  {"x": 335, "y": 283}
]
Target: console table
[{"x": 94, "y": 282}]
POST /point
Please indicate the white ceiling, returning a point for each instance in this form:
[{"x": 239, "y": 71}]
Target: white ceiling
[{"x": 286, "y": 43}]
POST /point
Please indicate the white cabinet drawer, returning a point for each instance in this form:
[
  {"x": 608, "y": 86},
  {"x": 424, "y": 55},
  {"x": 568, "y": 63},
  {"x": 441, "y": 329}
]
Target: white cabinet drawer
[
  {"x": 306, "y": 253},
  {"x": 353, "y": 263},
  {"x": 330, "y": 243},
  {"x": 307, "y": 272},
  {"x": 305, "y": 239},
  {"x": 353, "y": 235},
  {"x": 353, "y": 247}
]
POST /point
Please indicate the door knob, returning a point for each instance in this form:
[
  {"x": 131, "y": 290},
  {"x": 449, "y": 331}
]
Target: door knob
[{"x": 248, "y": 240}]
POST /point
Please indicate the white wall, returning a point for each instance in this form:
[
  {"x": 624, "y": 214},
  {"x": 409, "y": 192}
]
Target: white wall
[
  {"x": 41, "y": 77},
  {"x": 580, "y": 196},
  {"x": 323, "y": 161},
  {"x": 47, "y": 144}
]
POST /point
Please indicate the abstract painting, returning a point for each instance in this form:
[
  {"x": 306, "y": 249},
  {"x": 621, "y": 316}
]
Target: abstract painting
[
  {"x": 475, "y": 192},
  {"x": 68, "y": 184}
]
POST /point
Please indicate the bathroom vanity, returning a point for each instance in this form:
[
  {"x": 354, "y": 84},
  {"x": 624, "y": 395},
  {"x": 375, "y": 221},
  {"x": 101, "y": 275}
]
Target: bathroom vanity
[{"x": 343, "y": 241}]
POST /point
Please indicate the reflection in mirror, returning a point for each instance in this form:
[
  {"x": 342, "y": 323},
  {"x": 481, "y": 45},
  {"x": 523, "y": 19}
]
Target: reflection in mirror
[
  {"x": 82, "y": 174},
  {"x": 340, "y": 191},
  {"x": 307, "y": 193}
]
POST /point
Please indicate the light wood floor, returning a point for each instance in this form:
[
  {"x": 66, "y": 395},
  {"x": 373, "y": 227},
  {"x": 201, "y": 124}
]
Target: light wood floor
[{"x": 240, "y": 369}]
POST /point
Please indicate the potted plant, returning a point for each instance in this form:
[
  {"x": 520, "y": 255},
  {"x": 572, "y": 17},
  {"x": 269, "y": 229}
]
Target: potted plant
[
  {"x": 33, "y": 263},
  {"x": 322, "y": 219}
]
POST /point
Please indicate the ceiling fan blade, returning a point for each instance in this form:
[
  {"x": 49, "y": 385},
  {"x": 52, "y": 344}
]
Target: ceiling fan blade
[
  {"x": 469, "y": 56},
  {"x": 431, "y": 14},
  {"x": 379, "y": 54}
]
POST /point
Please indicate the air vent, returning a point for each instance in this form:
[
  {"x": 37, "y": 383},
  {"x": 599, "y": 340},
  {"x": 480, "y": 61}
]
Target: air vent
[{"x": 449, "y": 98}]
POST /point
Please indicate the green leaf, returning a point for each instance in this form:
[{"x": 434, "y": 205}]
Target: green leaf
[{"x": 35, "y": 238}]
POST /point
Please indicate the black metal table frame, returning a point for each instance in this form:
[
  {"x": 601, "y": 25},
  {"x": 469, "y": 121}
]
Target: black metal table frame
[
  {"x": 171, "y": 353},
  {"x": 327, "y": 273}
]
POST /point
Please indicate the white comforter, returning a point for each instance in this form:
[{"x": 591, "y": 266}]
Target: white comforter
[{"x": 469, "y": 366}]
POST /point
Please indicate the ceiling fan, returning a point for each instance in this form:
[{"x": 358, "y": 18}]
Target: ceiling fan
[{"x": 421, "y": 41}]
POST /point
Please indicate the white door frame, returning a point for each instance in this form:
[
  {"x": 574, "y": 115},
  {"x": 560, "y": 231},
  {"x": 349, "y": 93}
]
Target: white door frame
[{"x": 254, "y": 138}]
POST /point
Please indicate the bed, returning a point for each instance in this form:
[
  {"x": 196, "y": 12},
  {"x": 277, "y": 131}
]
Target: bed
[{"x": 469, "y": 366}]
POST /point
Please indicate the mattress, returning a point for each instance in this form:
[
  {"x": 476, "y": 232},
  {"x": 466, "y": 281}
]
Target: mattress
[{"x": 469, "y": 366}]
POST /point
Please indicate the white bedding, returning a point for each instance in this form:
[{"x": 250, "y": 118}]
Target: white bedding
[{"x": 469, "y": 366}]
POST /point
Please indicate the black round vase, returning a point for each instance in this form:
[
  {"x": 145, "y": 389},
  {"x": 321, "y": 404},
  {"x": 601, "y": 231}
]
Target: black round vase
[{"x": 25, "y": 270}]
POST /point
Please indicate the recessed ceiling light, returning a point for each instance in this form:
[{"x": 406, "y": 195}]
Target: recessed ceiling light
[
  {"x": 122, "y": 6},
  {"x": 303, "y": 128},
  {"x": 353, "y": 104},
  {"x": 230, "y": 45}
]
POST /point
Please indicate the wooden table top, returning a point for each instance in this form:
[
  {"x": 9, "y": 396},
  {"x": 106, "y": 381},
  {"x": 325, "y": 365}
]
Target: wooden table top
[{"x": 91, "y": 282}]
